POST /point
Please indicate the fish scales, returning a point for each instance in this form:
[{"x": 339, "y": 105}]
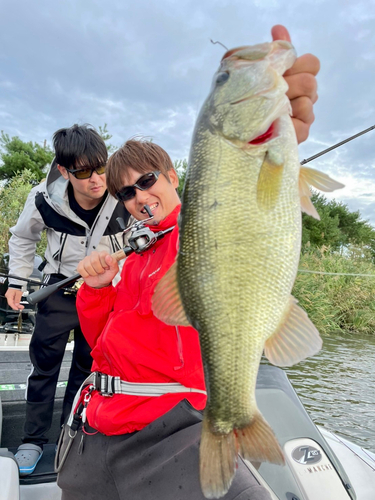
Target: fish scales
[
  {"x": 239, "y": 277},
  {"x": 240, "y": 237}
]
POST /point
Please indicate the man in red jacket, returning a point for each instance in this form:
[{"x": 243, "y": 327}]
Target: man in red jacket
[{"x": 142, "y": 442}]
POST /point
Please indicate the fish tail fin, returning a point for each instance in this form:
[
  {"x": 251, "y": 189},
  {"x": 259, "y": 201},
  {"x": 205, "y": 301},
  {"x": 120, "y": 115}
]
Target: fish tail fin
[
  {"x": 218, "y": 461},
  {"x": 219, "y": 453}
]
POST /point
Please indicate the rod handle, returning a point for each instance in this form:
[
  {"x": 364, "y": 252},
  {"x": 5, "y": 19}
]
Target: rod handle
[{"x": 46, "y": 291}]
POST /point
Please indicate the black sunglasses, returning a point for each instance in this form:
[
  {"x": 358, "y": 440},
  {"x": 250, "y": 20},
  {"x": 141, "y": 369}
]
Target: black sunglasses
[
  {"x": 126, "y": 193},
  {"x": 86, "y": 173}
]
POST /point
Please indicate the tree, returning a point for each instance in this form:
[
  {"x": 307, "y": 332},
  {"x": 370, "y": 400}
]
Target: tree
[
  {"x": 106, "y": 136},
  {"x": 181, "y": 168},
  {"x": 12, "y": 200},
  {"x": 338, "y": 226},
  {"x": 17, "y": 156}
]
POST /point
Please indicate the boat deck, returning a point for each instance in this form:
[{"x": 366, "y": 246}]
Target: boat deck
[{"x": 15, "y": 366}]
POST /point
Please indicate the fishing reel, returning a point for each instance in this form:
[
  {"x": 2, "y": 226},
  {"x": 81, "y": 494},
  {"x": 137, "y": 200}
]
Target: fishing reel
[{"x": 141, "y": 237}]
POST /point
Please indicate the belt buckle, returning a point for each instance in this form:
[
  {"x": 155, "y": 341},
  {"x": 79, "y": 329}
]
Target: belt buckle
[{"x": 106, "y": 385}]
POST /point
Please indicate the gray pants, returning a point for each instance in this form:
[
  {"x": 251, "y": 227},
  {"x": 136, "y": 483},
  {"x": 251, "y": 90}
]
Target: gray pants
[{"x": 160, "y": 462}]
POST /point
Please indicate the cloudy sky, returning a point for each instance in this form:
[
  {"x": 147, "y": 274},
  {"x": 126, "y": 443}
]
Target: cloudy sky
[{"x": 145, "y": 68}]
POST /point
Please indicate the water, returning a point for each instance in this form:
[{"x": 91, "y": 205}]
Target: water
[{"x": 337, "y": 387}]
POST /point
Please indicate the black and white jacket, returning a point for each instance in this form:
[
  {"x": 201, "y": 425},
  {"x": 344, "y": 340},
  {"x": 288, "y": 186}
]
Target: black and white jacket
[{"x": 69, "y": 239}]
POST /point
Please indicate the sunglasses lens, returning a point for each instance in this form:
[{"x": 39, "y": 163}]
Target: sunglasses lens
[
  {"x": 100, "y": 170},
  {"x": 146, "y": 181},
  {"x": 126, "y": 194},
  {"x": 86, "y": 173},
  {"x": 143, "y": 183},
  {"x": 83, "y": 174}
]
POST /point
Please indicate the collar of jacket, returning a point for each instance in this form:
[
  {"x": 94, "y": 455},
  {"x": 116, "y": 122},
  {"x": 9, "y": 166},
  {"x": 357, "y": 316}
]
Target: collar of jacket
[{"x": 169, "y": 221}]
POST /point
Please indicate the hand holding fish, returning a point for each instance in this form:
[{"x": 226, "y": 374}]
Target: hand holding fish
[{"x": 302, "y": 87}]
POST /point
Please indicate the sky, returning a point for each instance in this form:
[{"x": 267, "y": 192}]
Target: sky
[{"x": 145, "y": 68}]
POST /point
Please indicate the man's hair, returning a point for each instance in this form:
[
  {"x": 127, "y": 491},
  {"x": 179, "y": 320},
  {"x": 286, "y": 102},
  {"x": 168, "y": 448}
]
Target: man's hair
[
  {"x": 139, "y": 154},
  {"x": 79, "y": 146}
]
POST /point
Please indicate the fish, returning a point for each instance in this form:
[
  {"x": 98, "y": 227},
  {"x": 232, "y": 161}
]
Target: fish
[{"x": 240, "y": 239}]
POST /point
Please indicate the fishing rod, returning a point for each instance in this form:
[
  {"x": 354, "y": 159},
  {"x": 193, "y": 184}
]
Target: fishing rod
[
  {"x": 337, "y": 145},
  {"x": 28, "y": 280},
  {"x": 141, "y": 239}
]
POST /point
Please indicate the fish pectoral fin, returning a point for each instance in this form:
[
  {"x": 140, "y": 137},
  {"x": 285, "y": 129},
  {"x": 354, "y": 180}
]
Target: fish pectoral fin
[
  {"x": 305, "y": 195},
  {"x": 294, "y": 340},
  {"x": 219, "y": 453},
  {"x": 166, "y": 301},
  {"x": 269, "y": 181},
  {"x": 321, "y": 181}
]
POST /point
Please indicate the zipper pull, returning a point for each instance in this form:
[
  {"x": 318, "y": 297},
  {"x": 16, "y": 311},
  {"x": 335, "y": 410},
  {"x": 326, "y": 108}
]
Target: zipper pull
[{"x": 83, "y": 416}]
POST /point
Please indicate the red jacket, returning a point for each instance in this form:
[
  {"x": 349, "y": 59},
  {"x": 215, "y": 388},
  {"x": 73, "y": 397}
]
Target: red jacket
[{"x": 128, "y": 341}]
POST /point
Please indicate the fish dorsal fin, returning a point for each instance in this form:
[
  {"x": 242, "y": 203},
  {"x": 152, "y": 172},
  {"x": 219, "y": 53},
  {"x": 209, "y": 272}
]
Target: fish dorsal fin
[
  {"x": 269, "y": 180},
  {"x": 166, "y": 301},
  {"x": 323, "y": 182},
  {"x": 295, "y": 339}
]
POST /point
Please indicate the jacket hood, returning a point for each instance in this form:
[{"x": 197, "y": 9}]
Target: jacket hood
[
  {"x": 56, "y": 187},
  {"x": 53, "y": 172}
]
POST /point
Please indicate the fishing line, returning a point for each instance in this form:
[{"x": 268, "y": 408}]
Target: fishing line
[
  {"x": 336, "y": 274},
  {"x": 219, "y": 44}
]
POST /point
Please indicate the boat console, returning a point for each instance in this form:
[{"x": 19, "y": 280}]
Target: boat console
[{"x": 313, "y": 471}]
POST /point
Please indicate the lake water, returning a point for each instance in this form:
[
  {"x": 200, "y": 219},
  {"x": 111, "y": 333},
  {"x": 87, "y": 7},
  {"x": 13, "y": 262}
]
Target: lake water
[{"x": 337, "y": 387}]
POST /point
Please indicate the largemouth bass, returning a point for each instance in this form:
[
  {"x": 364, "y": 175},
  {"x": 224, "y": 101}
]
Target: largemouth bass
[{"x": 240, "y": 238}]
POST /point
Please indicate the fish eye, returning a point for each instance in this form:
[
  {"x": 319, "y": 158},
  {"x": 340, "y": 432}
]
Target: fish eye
[{"x": 222, "y": 77}]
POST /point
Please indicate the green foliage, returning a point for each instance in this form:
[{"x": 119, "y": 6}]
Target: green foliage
[
  {"x": 337, "y": 228},
  {"x": 17, "y": 156},
  {"x": 12, "y": 200},
  {"x": 181, "y": 168},
  {"x": 106, "y": 136},
  {"x": 338, "y": 303}
]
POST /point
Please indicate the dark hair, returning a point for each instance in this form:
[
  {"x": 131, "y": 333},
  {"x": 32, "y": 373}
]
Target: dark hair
[
  {"x": 79, "y": 145},
  {"x": 140, "y": 155}
]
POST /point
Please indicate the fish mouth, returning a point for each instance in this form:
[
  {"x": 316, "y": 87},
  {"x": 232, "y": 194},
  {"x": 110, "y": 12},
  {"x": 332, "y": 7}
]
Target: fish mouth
[
  {"x": 231, "y": 52},
  {"x": 248, "y": 53},
  {"x": 269, "y": 134}
]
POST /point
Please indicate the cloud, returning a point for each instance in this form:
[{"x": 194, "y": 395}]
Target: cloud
[{"x": 145, "y": 68}]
